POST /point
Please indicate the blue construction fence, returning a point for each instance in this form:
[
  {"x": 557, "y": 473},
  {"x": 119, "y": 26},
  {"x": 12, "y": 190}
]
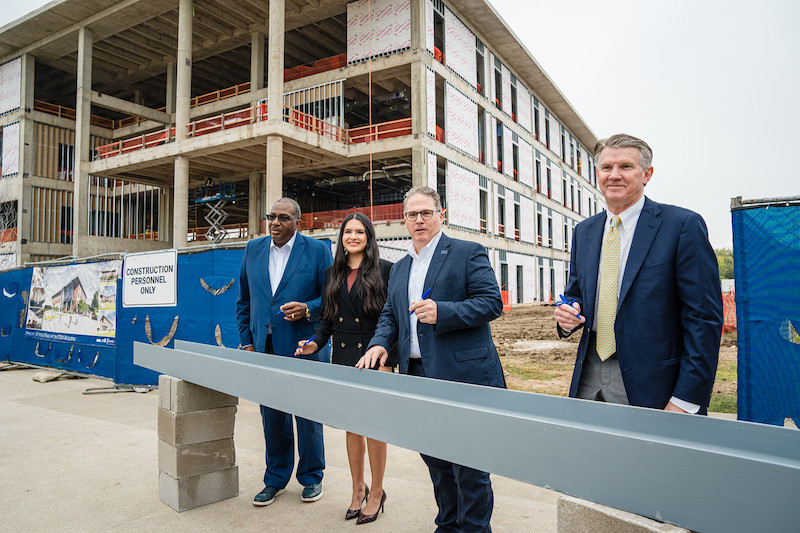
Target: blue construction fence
[
  {"x": 766, "y": 253},
  {"x": 208, "y": 283}
]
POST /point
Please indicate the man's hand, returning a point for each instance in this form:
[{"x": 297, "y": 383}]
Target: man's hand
[
  {"x": 425, "y": 311},
  {"x": 294, "y": 311},
  {"x": 305, "y": 348},
  {"x": 567, "y": 316},
  {"x": 376, "y": 354},
  {"x": 674, "y": 408}
]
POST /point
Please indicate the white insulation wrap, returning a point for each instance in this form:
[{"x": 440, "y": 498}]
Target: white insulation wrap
[
  {"x": 525, "y": 163},
  {"x": 10, "y": 85},
  {"x": 11, "y": 149},
  {"x": 463, "y": 200},
  {"x": 390, "y": 28},
  {"x": 555, "y": 136},
  {"x": 527, "y": 231},
  {"x": 506, "y": 75},
  {"x": 429, "y": 25},
  {"x": 461, "y": 122},
  {"x": 460, "y": 48},
  {"x": 508, "y": 152},
  {"x": 524, "y": 107},
  {"x": 430, "y": 80},
  {"x": 432, "y": 172}
]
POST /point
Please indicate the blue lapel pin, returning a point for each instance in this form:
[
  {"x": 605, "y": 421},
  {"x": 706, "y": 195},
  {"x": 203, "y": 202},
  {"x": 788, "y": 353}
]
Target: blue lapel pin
[{"x": 444, "y": 252}]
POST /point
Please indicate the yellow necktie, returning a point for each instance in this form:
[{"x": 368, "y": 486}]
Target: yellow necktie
[{"x": 609, "y": 288}]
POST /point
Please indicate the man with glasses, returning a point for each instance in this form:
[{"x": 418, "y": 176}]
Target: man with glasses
[
  {"x": 280, "y": 288},
  {"x": 442, "y": 296}
]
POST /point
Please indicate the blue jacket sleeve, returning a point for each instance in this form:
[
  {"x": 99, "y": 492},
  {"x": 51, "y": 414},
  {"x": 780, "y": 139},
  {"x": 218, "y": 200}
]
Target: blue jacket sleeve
[{"x": 243, "y": 304}]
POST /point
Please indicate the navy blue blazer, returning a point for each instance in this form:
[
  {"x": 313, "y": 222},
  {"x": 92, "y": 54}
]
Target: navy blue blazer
[
  {"x": 669, "y": 315},
  {"x": 257, "y": 308},
  {"x": 459, "y": 346}
]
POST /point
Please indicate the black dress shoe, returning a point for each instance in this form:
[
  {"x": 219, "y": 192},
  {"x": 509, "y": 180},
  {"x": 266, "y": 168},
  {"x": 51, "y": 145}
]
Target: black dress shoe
[
  {"x": 367, "y": 518},
  {"x": 355, "y": 513}
]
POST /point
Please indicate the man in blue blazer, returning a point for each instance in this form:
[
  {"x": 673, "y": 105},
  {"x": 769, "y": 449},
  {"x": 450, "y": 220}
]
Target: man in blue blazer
[
  {"x": 441, "y": 298},
  {"x": 655, "y": 341},
  {"x": 280, "y": 287}
]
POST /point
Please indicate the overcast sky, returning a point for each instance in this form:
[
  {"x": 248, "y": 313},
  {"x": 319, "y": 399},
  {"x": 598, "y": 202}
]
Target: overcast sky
[{"x": 712, "y": 85}]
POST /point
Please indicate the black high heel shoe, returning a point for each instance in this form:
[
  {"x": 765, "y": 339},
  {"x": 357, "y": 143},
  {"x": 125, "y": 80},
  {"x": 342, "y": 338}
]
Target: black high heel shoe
[
  {"x": 355, "y": 513},
  {"x": 367, "y": 518}
]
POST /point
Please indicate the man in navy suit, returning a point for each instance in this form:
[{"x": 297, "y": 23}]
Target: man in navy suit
[
  {"x": 442, "y": 296},
  {"x": 656, "y": 343},
  {"x": 280, "y": 287}
]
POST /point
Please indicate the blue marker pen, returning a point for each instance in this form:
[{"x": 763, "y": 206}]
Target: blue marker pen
[
  {"x": 309, "y": 340},
  {"x": 424, "y": 295},
  {"x": 564, "y": 301}
]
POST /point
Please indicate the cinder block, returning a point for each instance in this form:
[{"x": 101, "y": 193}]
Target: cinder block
[
  {"x": 578, "y": 516},
  {"x": 185, "y": 396},
  {"x": 164, "y": 390},
  {"x": 195, "y": 459},
  {"x": 196, "y": 491},
  {"x": 192, "y": 427}
]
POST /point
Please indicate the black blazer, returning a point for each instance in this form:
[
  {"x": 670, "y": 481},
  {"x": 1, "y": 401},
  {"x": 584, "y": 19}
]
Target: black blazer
[{"x": 352, "y": 329}]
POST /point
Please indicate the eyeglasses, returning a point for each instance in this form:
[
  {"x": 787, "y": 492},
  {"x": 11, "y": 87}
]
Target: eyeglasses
[
  {"x": 411, "y": 216},
  {"x": 283, "y": 218}
]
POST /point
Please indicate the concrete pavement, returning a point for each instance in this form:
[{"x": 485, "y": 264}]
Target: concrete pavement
[{"x": 74, "y": 462}]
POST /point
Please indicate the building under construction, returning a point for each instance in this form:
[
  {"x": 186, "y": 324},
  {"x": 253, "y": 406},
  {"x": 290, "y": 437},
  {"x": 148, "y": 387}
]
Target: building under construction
[{"x": 149, "y": 124}]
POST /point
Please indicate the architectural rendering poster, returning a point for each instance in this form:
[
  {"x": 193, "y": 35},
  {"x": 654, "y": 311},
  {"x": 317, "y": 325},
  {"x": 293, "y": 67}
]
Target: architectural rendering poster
[{"x": 74, "y": 303}]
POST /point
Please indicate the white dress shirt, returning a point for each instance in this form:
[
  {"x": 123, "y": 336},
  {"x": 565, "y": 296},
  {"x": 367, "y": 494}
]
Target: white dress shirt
[
  {"x": 278, "y": 257},
  {"x": 416, "y": 280},
  {"x": 629, "y": 218}
]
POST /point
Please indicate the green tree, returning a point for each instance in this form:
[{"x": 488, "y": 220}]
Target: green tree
[
  {"x": 725, "y": 262},
  {"x": 95, "y": 302}
]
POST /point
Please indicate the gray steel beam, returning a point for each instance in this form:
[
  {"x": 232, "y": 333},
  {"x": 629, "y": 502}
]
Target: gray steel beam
[{"x": 696, "y": 472}]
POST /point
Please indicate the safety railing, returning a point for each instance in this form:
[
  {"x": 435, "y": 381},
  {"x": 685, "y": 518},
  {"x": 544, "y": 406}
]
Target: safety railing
[
  {"x": 377, "y": 132},
  {"x": 69, "y": 113},
  {"x": 334, "y": 219}
]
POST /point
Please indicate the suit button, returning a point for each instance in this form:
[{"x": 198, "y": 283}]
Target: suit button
[
  {"x": 359, "y": 345},
  {"x": 357, "y": 321},
  {"x": 341, "y": 319},
  {"x": 342, "y": 345}
]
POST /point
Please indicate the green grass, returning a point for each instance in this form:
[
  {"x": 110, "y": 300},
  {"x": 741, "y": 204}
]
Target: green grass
[{"x": 723, "y": 403}]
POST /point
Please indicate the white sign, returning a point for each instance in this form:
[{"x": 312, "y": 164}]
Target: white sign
[{"x": 150, "y": 279}]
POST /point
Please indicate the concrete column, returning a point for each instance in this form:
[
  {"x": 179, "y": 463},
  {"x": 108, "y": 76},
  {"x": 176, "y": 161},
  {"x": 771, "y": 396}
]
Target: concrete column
[
  {"x": 418, "y": 28},
  {"x": 275, "y": 63},
  {"x": 180, "y": 216},
  {"x": 254, "y": 209},
  {"x": 83, "y": 111},
  {"x": 419, "y": 99},
  {"x": 419, "y": 166},
  {"x": 184, "y": 66},
  {"x": 256, "y": 61},
  {"x": 171, "y": 74},
  {"x": 165, "y": 210},
  {"x": 196, "y": 454},
  {"x": 180, "y": 223},
  {"x": 273, "y": 180},
  {"x": 26, "y": 157}
]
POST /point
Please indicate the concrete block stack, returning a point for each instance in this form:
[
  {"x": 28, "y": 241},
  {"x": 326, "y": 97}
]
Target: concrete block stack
[{"x": 196, "y": 456}]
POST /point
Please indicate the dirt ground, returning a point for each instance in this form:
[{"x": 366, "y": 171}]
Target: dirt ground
[{"x": 535, "y": 360}]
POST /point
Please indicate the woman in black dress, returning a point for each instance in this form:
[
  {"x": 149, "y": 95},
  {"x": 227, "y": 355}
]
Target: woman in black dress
[{"x": 352, "y": 300}]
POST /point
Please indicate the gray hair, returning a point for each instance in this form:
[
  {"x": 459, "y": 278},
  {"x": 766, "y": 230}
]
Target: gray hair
[
  {"x": 426, "y": 191},
  {"x": 622, "y": 140},
  {"x": 292, "y": 203}
]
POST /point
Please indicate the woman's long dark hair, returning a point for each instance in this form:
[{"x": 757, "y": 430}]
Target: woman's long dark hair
[{"x": 371, "y": 288}]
